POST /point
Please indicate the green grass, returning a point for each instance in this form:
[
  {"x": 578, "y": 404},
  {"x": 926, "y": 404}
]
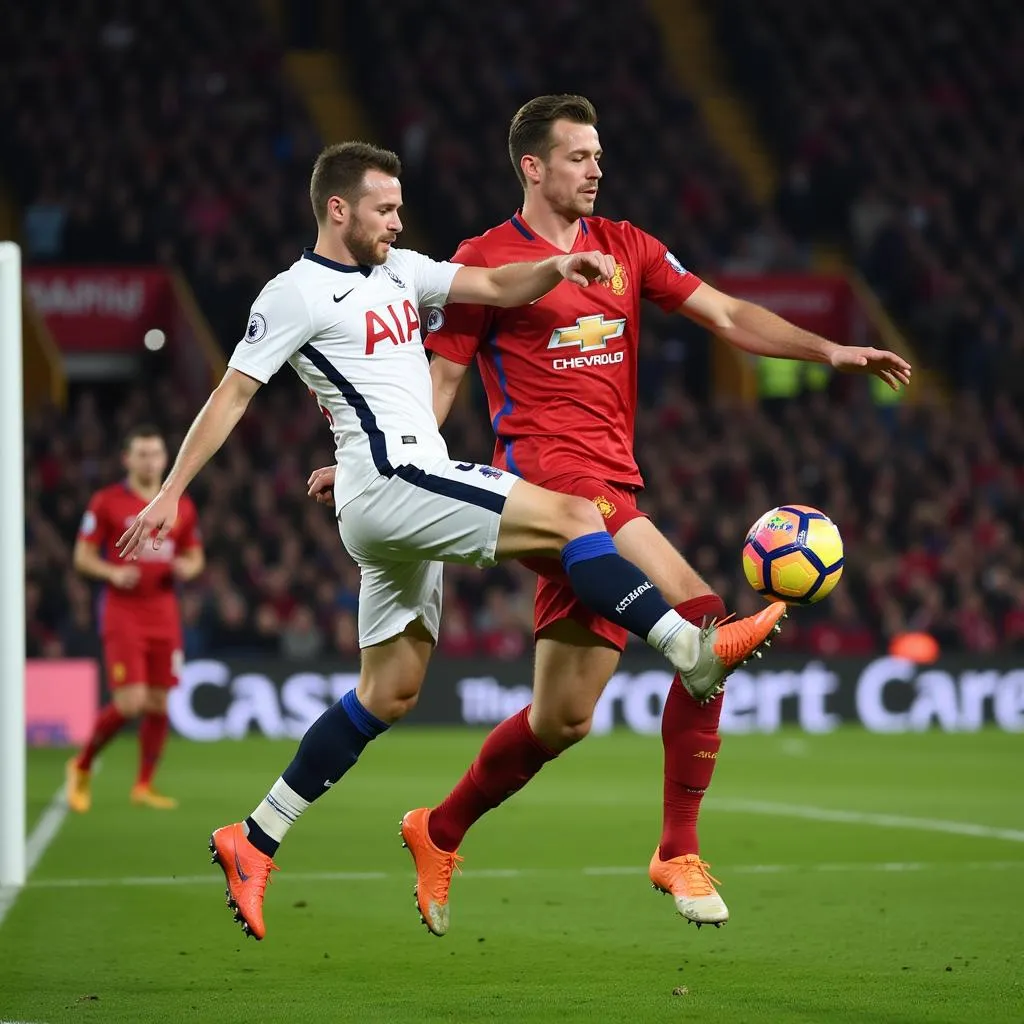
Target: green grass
[{"x": 819, "y": 931}]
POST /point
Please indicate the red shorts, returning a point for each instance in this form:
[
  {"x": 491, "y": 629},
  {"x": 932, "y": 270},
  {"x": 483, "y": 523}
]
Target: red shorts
[
  {"x": 129, "y": 658},
  {"x": 555, "y": 599}
]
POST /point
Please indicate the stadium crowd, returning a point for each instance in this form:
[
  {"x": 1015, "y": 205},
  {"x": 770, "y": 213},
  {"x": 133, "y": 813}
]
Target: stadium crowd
[
  {"x": 930, "y": 506},
  {"x": 449, "y": 117},
  {"x": 132, "y": 137},
  {"x": 895, "y": 127},
  {"x": 208, "y": 168}
]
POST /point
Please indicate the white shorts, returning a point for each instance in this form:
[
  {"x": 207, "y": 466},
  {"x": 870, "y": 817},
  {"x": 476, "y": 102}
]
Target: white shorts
[{"x": 402, "y": 527}]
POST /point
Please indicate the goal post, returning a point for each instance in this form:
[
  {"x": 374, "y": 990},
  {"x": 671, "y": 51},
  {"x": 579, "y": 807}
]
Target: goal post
[{"x": 12, "y": 574}]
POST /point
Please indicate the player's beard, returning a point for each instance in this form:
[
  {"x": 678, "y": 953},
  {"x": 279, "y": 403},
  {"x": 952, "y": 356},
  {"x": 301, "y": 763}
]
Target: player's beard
[
  {"x": 364, "y": 246},
  {"x": 572, "y": 205}
]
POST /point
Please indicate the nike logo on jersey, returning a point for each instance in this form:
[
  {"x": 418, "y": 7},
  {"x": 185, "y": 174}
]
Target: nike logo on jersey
[{"x": 338, "y": 298}]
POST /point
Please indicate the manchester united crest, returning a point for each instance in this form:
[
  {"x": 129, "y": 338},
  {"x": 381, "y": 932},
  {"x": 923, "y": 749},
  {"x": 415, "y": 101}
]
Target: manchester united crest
[
  {"x": 604, "y": 506},
  {"x": 619, "y": 281}
]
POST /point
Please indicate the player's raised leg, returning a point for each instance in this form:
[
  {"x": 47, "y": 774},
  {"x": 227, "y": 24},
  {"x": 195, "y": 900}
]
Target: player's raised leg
[
  {"x": 536, "y": 521},
  {"x": 395, "y": 655}
]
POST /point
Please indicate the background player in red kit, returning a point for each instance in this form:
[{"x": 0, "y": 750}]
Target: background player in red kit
[
  {"x": 140, "y": 624},
  {"x": 561, "y": 378}
]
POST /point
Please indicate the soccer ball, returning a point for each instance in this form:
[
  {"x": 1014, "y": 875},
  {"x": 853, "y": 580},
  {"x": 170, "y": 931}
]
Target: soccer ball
[{"x": 794, "y": 554}]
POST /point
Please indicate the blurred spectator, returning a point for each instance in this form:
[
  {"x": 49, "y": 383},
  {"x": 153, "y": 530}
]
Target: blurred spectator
[{"x": 301, "y": 638}]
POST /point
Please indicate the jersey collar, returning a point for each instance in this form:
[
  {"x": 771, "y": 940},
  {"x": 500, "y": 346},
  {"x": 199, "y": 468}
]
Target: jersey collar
[
  {"x": 344, "y": 268},
  {"x": 521, "y": 226}
]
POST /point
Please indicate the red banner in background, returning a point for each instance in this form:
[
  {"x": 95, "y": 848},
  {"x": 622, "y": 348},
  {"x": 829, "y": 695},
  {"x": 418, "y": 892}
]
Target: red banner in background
[
  {"x": 822, "y": 303},
  {"x": 101, "y": 309}
]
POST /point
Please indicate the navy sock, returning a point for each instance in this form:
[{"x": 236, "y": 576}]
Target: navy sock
[
  {"x": 264, "y": 843},
  {"x": 612, "y": 586},
  {"x": 331, "y": 746}
]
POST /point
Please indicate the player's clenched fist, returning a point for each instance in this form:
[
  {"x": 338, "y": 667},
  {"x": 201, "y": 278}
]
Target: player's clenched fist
[{"x": 583, "y": 267}]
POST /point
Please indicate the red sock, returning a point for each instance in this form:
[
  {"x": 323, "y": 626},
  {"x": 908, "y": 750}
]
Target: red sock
[
  {"x": 152, "y": 737},
  {"x": 108, "y": 725},
  {"x": 510, "y": 757},
  {"x": 689, "y": 734}
]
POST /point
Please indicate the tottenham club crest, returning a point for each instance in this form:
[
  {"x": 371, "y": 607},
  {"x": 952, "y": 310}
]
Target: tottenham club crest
[
  {"x": 674, "y": 263},
  {"x": 257, "y": 329},
  {"x": 435, "y": 320},
  {"x": 394, "y": 277}
]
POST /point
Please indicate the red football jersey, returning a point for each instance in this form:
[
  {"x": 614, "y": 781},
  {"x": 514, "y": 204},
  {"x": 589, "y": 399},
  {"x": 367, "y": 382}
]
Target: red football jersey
[
  {"x": 560, "y": 374},
  {"x": 151, "y": 606}
]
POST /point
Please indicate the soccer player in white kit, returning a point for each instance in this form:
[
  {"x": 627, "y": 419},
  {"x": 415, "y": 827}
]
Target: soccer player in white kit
[{"x": 346, "y": 317}]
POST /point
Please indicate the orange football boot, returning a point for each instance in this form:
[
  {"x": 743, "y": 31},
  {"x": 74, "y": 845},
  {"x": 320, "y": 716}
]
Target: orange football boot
[
  {"x": 144, "y": 795},
  {"x": 434, "y": 868},
  {"x": 247, "y": 873},
  {"x": 725, "y": 645},
  {"x": 692, "y": 887},
  {"x": 77, "y": 787}
]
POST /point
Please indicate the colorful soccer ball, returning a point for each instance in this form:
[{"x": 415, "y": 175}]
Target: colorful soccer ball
[{"x": 794, "y": 554}]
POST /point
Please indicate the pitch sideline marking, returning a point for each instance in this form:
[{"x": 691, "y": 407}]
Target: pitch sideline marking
[
  {"x": 956, "y": 828},
  {"x": 596, "y": 872},
  {"x": 42, "y": 835}
]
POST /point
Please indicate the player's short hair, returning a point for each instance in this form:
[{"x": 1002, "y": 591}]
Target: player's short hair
[
  {"x": 140, "y": 431},
  {"x": 530, "y": 131},
  {"x": 340, "y": 170}
]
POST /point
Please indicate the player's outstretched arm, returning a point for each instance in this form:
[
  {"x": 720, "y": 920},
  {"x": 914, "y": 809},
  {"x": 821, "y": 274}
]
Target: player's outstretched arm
[
  {"x": 519, "y": 284},
  {"x": 757, "y": 330},
  {"x": 209, "y": 430}
]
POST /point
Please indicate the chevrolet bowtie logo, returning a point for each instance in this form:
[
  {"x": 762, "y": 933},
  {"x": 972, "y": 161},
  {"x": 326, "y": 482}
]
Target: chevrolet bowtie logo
[{"x": 589, "y": 332}]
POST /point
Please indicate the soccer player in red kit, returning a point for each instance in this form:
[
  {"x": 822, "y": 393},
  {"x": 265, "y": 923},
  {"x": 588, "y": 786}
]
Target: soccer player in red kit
[
  {"x": 561, "y": 378},
  {"x": 140, "y": 624}
]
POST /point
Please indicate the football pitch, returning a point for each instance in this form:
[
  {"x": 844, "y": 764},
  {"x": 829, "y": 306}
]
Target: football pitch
[{"x": 870, "y": 878}]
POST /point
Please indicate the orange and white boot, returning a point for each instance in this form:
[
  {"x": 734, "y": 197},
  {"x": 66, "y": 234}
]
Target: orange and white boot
[
  {"x": 144, "y": 795},
  {"x": 691, "y": 886},
  {"x": 727, "y": 644},
  {"x": 77, "y": 787},
  {"x": 434, "y": 868},
  {"x": 247, "y": 873}
]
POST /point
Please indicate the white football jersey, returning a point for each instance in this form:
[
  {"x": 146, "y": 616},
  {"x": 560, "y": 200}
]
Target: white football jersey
[{"x": 352, "y": 334}]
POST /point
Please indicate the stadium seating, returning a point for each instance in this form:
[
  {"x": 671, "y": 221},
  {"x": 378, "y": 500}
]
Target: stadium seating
[
  {"x": 895, "y": 126},
  {"x": 931, "y": 501},
  {"x": 130, "y": 136},
  {"x": 449, "y": 112},
  {"x": 932, "y": 504}
]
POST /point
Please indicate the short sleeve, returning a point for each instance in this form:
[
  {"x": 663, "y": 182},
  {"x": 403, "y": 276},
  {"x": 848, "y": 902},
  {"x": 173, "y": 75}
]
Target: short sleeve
[
  {"x": 94, "y": 528},
  {"x": 664, "y": 280},
  {"x": 189, "y": 536},
  {"x": 433, "y": 279},
  {"x": 457, "y": 331},
  {"x": 279, "y": 325}
]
